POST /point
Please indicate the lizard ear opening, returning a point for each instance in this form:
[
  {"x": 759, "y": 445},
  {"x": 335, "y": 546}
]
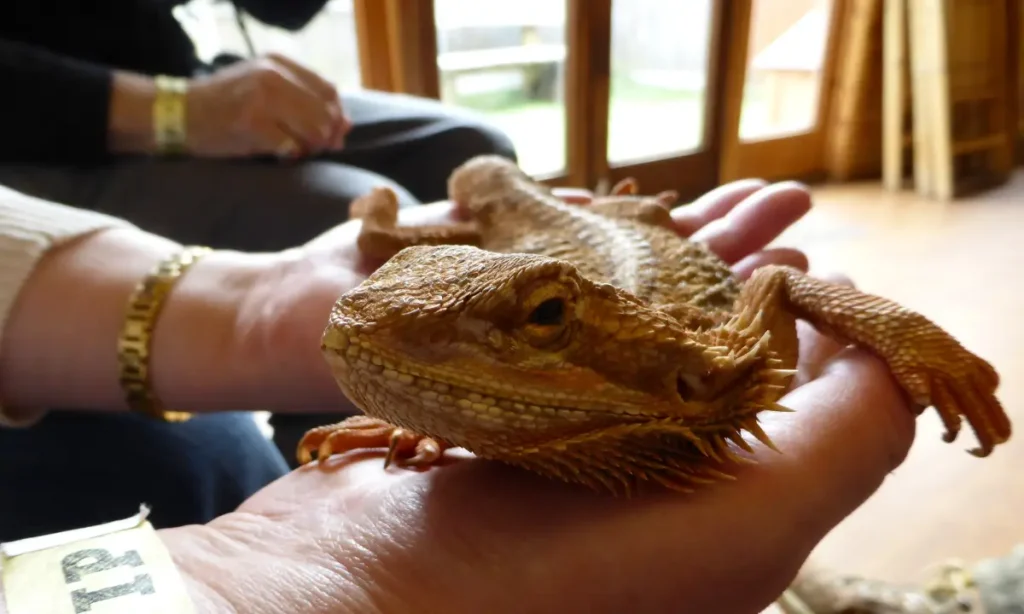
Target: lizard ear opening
[{"x": 689, "y": 386}]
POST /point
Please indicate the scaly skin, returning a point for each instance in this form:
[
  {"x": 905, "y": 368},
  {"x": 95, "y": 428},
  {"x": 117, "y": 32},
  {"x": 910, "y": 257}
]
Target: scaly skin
[{"x": 593, "y": 344}]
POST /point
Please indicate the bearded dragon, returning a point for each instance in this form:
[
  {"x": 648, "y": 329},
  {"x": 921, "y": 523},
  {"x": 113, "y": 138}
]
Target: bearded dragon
[{"x": 593, "y": 344}]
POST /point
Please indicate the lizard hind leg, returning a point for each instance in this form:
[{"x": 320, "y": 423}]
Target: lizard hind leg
[
  {"x": 927, "y": 362},
  {"x": 358, "y": 432},
  {"x": 625, "y": 187},
  {"x": 381, "y": 237},
  {"x": 629, "y": 186}
]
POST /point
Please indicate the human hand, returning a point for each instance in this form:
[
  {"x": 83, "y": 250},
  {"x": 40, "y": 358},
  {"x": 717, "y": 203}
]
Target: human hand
[
  {"x": 473, "y": 535},
  {"x": 269, "y": 105}
]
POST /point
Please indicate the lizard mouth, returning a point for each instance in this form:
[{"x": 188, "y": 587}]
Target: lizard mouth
[{"x": 364, "y": 359}]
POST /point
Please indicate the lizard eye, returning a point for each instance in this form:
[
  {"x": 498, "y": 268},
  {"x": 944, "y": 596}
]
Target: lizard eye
[{"x": 549, "y": 313}]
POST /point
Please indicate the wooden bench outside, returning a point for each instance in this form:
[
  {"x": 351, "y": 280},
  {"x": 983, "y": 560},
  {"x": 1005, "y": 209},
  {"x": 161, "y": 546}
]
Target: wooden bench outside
[{"x": 534, "y": 61}]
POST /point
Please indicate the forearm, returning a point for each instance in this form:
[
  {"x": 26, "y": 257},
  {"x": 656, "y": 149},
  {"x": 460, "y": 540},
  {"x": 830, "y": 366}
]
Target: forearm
[
  {"x": 59, "y": 343},
  {"x": 69, "y": 110},
  {"x": 55, "y": 107}
]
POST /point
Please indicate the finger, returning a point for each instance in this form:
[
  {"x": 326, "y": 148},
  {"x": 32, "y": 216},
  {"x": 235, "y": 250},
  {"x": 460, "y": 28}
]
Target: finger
[
  {"x": 785, "y": 256},
  {"x": 852, "y": 427},
  {"x": 713, "y": 205},
  {"x": 756, "y": 221},
  {"x": 300, "y": 111},
  {"x": 319, "y": 85},
  {"x": 340, "y": 124},
  {"x": 268, "y": 136},
  {"x": 815, "y": 350}
]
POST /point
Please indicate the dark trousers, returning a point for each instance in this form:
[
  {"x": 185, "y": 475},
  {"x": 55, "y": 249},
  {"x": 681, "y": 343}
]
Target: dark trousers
[{"x": 51, "y": 475}]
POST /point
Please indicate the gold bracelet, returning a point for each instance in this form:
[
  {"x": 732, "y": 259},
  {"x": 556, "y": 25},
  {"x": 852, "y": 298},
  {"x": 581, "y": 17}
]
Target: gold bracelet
[
  {"x": 169, "y": 127},
  {"x": 134, "y": 344}
]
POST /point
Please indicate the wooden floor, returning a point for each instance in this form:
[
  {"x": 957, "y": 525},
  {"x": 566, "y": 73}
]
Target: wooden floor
[{"x": 962, "y": 265}]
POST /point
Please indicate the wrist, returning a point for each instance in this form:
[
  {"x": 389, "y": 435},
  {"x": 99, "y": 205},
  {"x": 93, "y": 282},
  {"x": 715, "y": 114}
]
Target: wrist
[
  {"x": 281, "y": 319},
  {"x": 195, "y": 358},
  {"x": 197, "y": 560},
  {"x": 234, "y": 564},
  {"x": 131, "y": 113}
]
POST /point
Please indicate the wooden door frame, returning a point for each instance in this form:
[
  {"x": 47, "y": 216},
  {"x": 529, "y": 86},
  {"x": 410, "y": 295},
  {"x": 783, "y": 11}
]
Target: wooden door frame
[
  {"x": 587, "y": 89},
  {"x": 1015, "y": 26},
  {"x": 371, "y": 20},
  {"x": 790, "y": 156},
  {"x": 397, "y": 42}
]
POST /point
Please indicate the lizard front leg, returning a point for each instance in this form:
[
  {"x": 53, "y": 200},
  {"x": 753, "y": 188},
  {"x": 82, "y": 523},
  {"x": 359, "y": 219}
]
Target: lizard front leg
[
  {"x": 928, "y": 363},
  {"x": 381, "y": 236},
  {"x": 358, "y": 432}
]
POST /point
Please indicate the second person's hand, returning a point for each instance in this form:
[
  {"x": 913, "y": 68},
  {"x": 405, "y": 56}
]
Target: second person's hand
[{"x": 269, "y": 105}]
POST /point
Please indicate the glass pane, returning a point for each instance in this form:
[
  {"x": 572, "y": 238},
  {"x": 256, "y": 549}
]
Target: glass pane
[
  {"x": 506, "y": 60},
  {"x": 784, "y": 65},
  {"x": 659, "y": 78},
  {"x": 327, "y": 44}
]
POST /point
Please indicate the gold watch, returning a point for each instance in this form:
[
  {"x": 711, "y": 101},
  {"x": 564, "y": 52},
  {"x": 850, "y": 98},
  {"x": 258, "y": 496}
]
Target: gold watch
[{"x": 169, "y": 114}]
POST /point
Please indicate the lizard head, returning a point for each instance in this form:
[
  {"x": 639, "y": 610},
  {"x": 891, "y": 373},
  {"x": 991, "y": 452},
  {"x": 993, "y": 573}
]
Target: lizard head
[{"x": 518, "y": 350}]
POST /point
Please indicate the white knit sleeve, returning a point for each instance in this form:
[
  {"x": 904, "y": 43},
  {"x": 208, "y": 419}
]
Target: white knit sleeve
[{"x": 29, "y": 227}]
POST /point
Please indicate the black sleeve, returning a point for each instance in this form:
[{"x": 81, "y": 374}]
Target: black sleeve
[
  {"x": 288, "y": 14},
  {"x": 53, "y": 108}
]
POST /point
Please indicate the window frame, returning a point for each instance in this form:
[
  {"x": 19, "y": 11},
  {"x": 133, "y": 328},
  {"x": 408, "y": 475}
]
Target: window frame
[{"x": 398, "y": 51}]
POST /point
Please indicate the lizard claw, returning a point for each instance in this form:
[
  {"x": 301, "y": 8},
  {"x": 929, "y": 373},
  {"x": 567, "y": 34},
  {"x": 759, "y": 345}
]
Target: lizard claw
[
  {"x": 427, "y": 450},
  {"x": 358, "y": 432},
  {"x": 967, "y": 392}
]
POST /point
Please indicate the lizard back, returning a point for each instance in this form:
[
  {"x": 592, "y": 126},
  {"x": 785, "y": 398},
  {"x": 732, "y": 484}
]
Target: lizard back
[{"x": 607, "y": 241}]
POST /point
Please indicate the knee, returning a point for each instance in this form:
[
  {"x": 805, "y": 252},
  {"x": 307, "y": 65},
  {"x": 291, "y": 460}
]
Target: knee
[
  {"x": 290, "y": 205},
  {"x": 325, "y": 184}
]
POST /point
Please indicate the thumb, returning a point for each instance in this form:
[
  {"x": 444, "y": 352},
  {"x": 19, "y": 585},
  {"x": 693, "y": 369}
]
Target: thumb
[{"x": 850, "y": 429}]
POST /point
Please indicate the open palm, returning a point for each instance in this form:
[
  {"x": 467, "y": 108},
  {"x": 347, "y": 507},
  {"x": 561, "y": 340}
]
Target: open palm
[{"x": 476, "y": 536}]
